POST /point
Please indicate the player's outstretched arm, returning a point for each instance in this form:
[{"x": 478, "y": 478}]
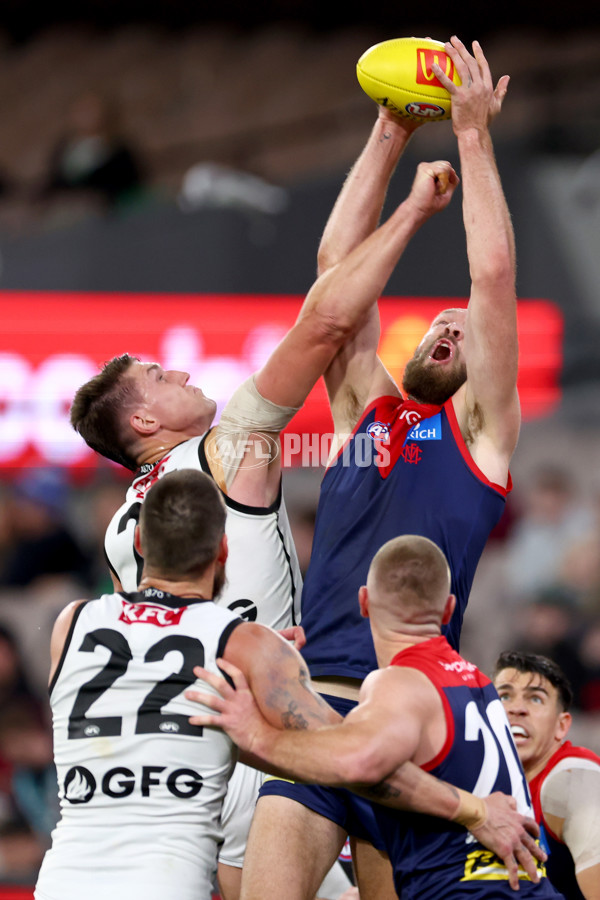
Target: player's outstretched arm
[
  {"x": 356, "y": 374},
  {"x": 338, "y": 301},
  {"x": 357, "y": 210},
  {"x": 360, "y": 756},
  {"x": 491, "y": 342}
]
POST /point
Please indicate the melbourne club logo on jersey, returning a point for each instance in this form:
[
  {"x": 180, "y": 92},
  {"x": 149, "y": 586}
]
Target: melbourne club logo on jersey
[
  {"x": 411, "y": 453},
  {"x": 146, "y": 614},
  {"x": 379, "y": 431}
]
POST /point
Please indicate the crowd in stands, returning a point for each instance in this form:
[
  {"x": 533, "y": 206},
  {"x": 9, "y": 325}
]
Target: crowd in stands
[{"x": 98, "y": 121}]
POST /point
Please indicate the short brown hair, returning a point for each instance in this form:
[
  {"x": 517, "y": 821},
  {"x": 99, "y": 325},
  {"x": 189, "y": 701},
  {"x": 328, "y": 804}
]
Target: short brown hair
[
  {"x": 412, "y": 568},
  {"x": 182, "y": 522},
  {"x": 98, "y": 406}
]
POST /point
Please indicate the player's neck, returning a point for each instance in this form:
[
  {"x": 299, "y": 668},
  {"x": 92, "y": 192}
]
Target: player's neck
[
  {"x": 534, "y": 767},
  {"x": 388, "y": 645},
  {"x": 156, "y": 447},
  {"x": 193, "y": 589}
]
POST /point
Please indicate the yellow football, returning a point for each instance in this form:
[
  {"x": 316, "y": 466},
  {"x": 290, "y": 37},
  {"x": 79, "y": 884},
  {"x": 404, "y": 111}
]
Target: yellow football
[{"x": 397, "y": 74}]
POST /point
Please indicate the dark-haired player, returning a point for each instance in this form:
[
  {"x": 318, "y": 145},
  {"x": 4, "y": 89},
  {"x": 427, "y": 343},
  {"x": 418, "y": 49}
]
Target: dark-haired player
[
  {"x": 564, "y": 780},
  {"x": 442, "y": 444}
]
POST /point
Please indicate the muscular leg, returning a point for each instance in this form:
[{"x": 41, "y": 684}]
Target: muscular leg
[
  {"x": 373, "y": 870},
  {"x": 290, "y": 850}
]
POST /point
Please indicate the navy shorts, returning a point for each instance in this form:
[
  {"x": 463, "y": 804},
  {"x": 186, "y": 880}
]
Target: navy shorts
[{"x": 346, "y": 809}]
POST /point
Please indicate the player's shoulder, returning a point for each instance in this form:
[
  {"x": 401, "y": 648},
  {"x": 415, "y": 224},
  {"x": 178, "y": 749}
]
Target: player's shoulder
[
  {"x": 400, "y": 682},
  {"x": 574, "y": 760},
  {"x": 67, "y": 614}
]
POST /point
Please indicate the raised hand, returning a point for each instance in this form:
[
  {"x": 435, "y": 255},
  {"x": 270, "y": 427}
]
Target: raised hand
[
  {"x": 475, "y": 102},
  {"x": 433, "y": 186}
]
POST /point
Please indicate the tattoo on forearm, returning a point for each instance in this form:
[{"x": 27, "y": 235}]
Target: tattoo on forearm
[
  {"x": 383, "y": 791},
  {"x": 292, "y": 719}
]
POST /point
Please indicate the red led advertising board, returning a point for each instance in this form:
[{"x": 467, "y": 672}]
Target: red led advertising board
[{"x": 50, "y": 343}]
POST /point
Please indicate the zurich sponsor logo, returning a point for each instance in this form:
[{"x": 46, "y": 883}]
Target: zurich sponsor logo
[
  {"x": 378, "y": 431},
  {"x": 427, "y": 429}
]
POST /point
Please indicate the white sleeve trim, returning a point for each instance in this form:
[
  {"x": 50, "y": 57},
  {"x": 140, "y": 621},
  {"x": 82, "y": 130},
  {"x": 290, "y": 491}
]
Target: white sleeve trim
[{"x": 571, "y": 792}]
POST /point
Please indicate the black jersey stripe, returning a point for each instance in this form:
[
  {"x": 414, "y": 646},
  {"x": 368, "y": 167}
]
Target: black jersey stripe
[{"x": 66, "y": 646}]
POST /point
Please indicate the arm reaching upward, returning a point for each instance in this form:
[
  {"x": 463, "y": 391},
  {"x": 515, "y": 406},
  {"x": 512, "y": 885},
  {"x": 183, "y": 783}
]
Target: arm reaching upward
[{"x": 487, "y": 406}]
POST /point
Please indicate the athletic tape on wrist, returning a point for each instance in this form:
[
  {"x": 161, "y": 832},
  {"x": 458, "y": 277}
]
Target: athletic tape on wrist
[{"x": 472, "y": 811}]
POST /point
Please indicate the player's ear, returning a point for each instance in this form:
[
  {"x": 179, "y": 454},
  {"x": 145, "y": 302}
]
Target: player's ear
[
  {"x": 223, "y": 552},
  {"x": 363, "y": 601},
  {"x": 143, "y": 423},
  {"x": 448, "y": 609},
  {"x": 563, "y": 724},
  {"x": 137, "y": 540}
]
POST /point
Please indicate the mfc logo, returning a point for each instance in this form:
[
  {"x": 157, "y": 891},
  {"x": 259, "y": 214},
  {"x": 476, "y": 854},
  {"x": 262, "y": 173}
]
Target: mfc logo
[
  {"x": 80, "y": 784},
  {"x": 142, "y": 613}
]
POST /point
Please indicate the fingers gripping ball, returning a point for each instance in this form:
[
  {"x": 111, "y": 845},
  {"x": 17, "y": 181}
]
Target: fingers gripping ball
[{"x": 398, "y": 74}]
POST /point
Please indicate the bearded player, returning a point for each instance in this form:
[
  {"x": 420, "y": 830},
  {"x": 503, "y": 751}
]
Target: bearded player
[{"x": 445, "y": 479}]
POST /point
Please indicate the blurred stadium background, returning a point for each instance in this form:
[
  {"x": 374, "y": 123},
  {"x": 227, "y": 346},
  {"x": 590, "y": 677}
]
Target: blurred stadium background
[{"x": 233, "y": 127}]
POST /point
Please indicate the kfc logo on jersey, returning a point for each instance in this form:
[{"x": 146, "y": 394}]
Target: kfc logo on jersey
[
  {"x": 379, "y": 431},
  {"x": 145, "y": 614}
]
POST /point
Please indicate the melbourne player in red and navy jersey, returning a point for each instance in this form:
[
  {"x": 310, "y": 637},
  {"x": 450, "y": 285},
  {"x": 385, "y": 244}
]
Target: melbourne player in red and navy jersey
[
  {"x": 426, "y": 704},
  {"x": 564, "y": 780},
  {"x": 432, "y": 459}
]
